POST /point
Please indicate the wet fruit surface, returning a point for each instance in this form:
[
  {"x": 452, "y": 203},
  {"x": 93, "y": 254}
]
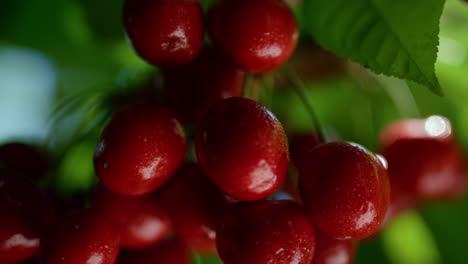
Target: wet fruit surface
[
  {"x": 333, "y": 251},
  {"x": 80, "y": 238},
  {"x": 141, "y": 148},
  {"x": 266, "y": 232},
  {"x": 242, "y": 147},
  {"x": 142, "y": 221},
  {"x": 345, "y": 189},
  {"x": 165, "y": 33},
  {"x": 258, "y": 35},
  {"x": 19, "y": 236}
]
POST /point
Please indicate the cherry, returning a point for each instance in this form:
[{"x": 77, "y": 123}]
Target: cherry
[
  {"x": 345, "y": 189},
  {"x": 426, "y": 168},
  {"x": 424, "y": 159},
  {"x": 193, "y": 203},
  {"x": 300, "y": 144},
  {"x": 266, "y": 232},
  {"x": 19, "y": 236},
  {"x": 140, "y": 149},
  {"x": 436, "y": 127},
  {"x": 205, "y": 82},
  {"x": 258, "y": 35},
  {"x": 167, "y": 252},
  {"x": 24, "y": 159},
  {"x": 165, "y": 33},
  {"x": 333, "y": 251},
  {"x": 84, "y": 237},
  {"x": 141, "y": 220},
  {"x": 21, "y": 195},
  {"x": 242, "y": 147}
]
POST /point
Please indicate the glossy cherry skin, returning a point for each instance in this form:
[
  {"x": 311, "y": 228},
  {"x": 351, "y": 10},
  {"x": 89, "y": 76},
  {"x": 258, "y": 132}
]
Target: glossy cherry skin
[
  {"x": 81, "y": 238},
  {"x": 167, "y": 252},
  {"x": 427, "y": 168},
  {"x": 345, "y": 189},
  {"x": 242, "y": 147},
  {"x": 165, "y": 33},
  {"x": 24, "y": 159},
  {"x": 266, "y": 232},
  {"x": 300, "y": 144},
  {"x": 258, "y": 35},
  {"x": 141, "y": 148},
  {"x": 333, "y": 251},
  {"x": 142, "y": 221},
  {"x": 19, "y": 236},
  {"x": 194, "y": 204},
  {"x": 436, "y": 127},
  {"x": 205, "y": 82},
  {"x": 24, "y": 213}
]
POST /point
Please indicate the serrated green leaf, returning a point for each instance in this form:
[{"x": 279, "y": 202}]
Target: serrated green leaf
[{"x": 393, "y": 37}]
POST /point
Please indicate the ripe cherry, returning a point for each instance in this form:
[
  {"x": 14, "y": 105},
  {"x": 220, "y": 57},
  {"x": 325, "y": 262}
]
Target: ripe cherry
[
  {"x": 141, "y": 148},
  {"x": 425, "y": 161},
  {"x": 19, "y": 236},
  {"x": 24, "y": 159},
  {"x": 266, "y": 232},
  {"x": 242, "y": 147},
  {"x": 167, "y": 252},
  {"x": 141, "y": 220},
  {"x": 165, "y": 33},
  {"x": 345, "y": 189},
  {"x": 84, "y": 237},
  {"x": 333, "y": 251},
  {"x": 205, "y": 82},
  {"x": 426, "y": 168},
  {"x": 194, "y": 203},
  {"x": 258, "y": 35},
  {"x": 436, "y": 127}
]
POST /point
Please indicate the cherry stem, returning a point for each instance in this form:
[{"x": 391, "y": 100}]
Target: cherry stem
[{"x": 299, "y": 88}]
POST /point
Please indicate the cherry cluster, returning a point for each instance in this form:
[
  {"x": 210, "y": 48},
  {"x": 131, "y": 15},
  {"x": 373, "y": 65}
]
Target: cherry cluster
[{"x": 242, "y": 199}]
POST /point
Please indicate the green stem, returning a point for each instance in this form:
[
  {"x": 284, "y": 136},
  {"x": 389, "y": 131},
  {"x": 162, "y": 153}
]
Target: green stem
[{"x": 299, "y": 88}]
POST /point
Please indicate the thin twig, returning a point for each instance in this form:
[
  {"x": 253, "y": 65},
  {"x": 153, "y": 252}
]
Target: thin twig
[{"x": 299, "y": 87}]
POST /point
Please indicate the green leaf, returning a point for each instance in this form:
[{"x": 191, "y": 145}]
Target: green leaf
[{"x": 393, "y": 37}]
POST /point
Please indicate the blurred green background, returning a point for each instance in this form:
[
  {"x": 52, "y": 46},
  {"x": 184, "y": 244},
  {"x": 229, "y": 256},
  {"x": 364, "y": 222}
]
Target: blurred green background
[{"x": 64, "y": 64}]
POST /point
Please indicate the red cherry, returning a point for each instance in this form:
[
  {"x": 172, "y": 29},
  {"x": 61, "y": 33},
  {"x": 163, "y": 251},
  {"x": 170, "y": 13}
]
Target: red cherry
[
  {"x": 345, "y": 189},
  {"x": 300, "y": 144},
  {"x": 437, "y": 127},
  {"x": 194, "y": 203},
  {"x": 266, "y": 232},
  {"x": 333, "y": 251},
  {"x": 242, "y": 147},
  {"x": 80, "y": 238},
  {"x": 21, "y": 195},
  {"x": 141, "y": 148},
  {"x": 205, "y": 82},
  {"x": 164, "y": 32},
  {"x": 424, "y": 159},
  {"x": 141, "y": 221},
  {"x": 24, "y": 159},
  {"x": 167, "y": 252},
  {"x": 258, "y": 35},
  {"x": 426, "y": 168},
  {"x": 19, "y": 236}
]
